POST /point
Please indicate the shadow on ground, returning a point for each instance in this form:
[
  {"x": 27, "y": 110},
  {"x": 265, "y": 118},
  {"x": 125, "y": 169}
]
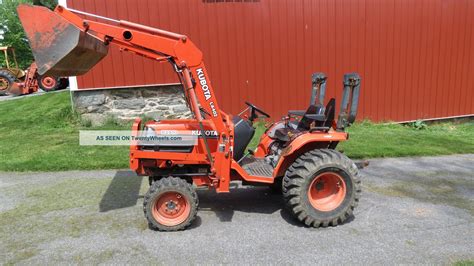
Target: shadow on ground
[
  {"x": 249, "y": 199},
  {"x": 122, "y": 192},
  {"x": 244, "y": 199}
]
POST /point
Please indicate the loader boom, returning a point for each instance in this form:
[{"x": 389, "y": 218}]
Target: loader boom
[
  {"x": 146, "y": 41},
  {"x": 155, "y": 44}
]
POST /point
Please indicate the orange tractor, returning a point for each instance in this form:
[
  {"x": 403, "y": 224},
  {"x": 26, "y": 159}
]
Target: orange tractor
[
  {"x": 14, "y": 80},
  {"x": 321, "y": 186}
]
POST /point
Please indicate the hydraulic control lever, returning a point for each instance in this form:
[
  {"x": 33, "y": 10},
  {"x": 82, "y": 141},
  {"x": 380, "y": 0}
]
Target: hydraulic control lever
[{"x": 350, "y": 101}]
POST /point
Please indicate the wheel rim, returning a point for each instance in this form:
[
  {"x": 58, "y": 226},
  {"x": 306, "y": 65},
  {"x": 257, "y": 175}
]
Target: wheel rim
[
  {"x": 171, "y": 209},
  {"x": 327, "y": 191},
  {"x": 48, "y": 83},
  {"x": 4, "y": 84}
]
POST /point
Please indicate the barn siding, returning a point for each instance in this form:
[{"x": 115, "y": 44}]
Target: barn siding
[{"x": 416, "y": 58}]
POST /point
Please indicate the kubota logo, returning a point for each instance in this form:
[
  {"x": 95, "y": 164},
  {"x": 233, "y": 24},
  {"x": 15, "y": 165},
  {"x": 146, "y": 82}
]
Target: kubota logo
[
  {"x": 205, "y": 89},
  {"x": 203, "y": 81}
]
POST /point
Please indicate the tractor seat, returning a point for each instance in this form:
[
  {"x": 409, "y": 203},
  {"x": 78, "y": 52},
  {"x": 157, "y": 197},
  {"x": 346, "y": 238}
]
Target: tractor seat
[
  {"x": 243, "y": 134},
  {"x": 313, "y": 113},
  {"x": 284, "y": 133}
]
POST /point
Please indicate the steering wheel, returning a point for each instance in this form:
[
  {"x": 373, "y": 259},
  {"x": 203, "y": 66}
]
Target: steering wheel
[{"x": 254, "y": 110}]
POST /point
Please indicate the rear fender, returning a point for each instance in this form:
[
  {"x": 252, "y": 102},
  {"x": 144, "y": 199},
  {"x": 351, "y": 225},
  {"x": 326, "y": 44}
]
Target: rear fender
[{"x": 304, "y": 143}]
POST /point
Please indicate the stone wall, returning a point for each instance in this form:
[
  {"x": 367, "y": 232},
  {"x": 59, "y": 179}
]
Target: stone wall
[{"x": 125, "y": 104}]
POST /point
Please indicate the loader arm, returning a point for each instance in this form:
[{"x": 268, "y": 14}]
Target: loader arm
[
  {"x": 149, "y": 42},
  {"x": 152, "y": 43}
]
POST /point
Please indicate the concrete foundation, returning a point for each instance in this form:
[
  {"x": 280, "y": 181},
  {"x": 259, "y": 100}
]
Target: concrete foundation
[{"x": 125, "y": 104}]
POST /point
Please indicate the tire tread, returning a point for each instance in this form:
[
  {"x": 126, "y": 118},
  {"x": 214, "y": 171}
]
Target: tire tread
[
  {"x": 297, "y": 175},
  {"x": 167, "y": 184},
  {"x": 11, "y": 79}
]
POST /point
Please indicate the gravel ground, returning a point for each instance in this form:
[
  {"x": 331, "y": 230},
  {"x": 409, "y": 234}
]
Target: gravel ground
[{"x": 413, "y": 211}]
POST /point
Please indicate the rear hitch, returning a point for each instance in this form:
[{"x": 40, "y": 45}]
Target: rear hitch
[{"x": 350, "y": 101}]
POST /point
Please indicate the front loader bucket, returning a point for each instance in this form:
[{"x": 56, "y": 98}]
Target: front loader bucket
[{"x": 59, "y": 47}]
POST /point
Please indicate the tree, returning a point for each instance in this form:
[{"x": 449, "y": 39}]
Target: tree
[
  {"x": 51, "y": 4},
  {"x": 14, "y": 35}
]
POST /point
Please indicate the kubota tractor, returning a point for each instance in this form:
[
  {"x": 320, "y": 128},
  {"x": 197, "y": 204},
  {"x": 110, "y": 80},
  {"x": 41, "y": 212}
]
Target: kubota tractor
[
  {"x": 16, "y": 81},
  {"x": 321, "y": 186}
]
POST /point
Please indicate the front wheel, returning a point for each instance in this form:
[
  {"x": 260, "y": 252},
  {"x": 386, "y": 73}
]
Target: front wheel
[
  {"x": 322, "y": 188},
  {"x": 49, "y": 83},
  {"x": 170, "y": 204}
]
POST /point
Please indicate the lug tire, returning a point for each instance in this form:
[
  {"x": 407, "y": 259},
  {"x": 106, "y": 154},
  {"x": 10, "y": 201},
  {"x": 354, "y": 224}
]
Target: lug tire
[
  {"x": 339, "y": 188},
  {"x": 6, "y": 76},
  {"x": 184, "y": 204},
  {"x": 49, "y": 83}
]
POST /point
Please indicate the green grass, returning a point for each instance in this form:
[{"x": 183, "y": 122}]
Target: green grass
[
  {"x": 464, "y": 263},
  {"x": 42, "y": 134},
  {"x": 368, "y": 140}
]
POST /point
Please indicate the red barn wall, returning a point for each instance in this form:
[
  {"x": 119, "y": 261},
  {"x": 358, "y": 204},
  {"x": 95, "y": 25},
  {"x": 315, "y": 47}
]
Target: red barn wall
[{"x": 416, "y": 58}]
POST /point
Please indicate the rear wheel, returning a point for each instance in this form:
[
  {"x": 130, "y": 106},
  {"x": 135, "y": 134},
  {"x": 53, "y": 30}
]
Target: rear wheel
[
  {"x": 170, "y": 204},
  {"x": 6, "y": 81},
  {"x": 49, "y": 83},
  {"x": 322, "y": 188}
]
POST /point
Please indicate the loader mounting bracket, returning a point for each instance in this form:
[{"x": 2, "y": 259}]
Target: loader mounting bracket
[{"x": 350, "y": 101}]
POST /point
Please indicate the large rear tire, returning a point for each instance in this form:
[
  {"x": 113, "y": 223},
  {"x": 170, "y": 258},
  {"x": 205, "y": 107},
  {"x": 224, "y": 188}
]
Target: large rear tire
[
  {"x": 322, "y": 188},
  {"x": 170, "y": 204},
  {"x": 6, "y": 81}
]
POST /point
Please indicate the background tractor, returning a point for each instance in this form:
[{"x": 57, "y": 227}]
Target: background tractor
[{"x": 14, "y": 80}]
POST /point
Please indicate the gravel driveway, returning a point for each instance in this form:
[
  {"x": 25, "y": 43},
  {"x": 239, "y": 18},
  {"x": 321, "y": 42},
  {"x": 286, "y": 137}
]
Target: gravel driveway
[{"x": 413, "y": 210}]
